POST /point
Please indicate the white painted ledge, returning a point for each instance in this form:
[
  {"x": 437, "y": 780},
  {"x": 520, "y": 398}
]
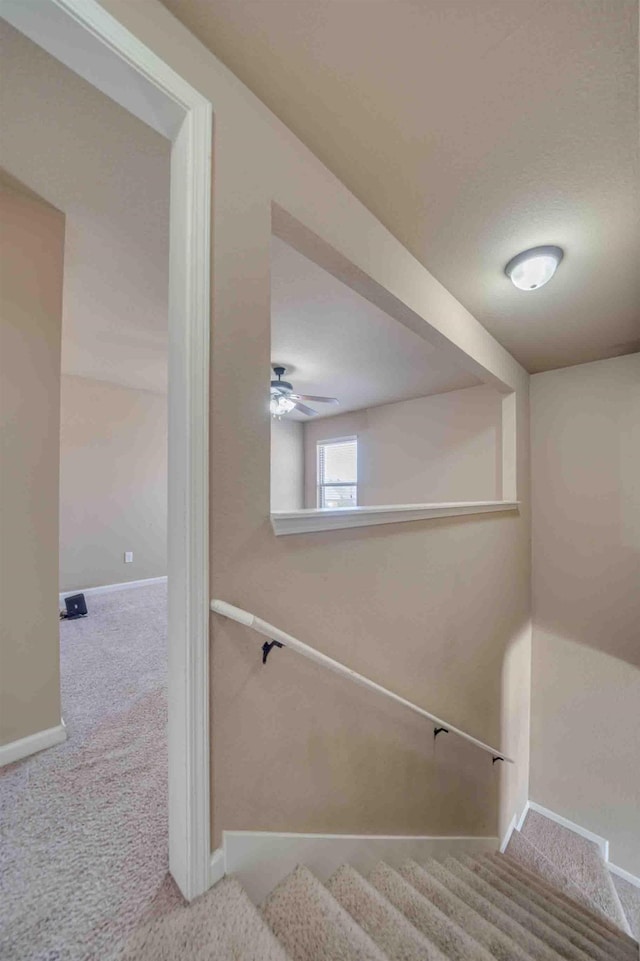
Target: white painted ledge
[{"x": 309, "y": 521}]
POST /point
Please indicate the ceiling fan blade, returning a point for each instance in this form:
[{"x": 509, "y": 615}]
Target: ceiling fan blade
[
  {"x": 318, "y": 400},
  {"x": 306, "y": 410}
]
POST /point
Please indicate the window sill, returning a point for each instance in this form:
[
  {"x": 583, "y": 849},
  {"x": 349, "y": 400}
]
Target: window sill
[{"x": 310, "y": 521}]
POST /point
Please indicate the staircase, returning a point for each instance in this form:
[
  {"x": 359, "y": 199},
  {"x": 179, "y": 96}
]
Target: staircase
[{"x": 549, "y": 897}]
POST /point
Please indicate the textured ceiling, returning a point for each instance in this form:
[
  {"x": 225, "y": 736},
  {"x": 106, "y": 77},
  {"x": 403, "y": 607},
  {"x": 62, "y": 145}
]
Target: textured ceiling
[
  {"x": 109, "y": 173},
  {"x": 335, "y": 343},
  {"x": 472, "y": 129}
]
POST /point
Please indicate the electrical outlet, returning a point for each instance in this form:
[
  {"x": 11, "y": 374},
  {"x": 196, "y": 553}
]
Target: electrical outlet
[{"x": 128, "y": 557}]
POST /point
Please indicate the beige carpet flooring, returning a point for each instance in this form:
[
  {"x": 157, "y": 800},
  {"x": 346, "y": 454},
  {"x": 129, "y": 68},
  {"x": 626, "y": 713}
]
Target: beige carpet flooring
[
  {"x": 456, "y": 911},
  {"x": 83, "y": 858}
]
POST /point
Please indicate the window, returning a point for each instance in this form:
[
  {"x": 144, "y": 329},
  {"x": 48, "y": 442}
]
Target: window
[{"x": 338, "y": 472}]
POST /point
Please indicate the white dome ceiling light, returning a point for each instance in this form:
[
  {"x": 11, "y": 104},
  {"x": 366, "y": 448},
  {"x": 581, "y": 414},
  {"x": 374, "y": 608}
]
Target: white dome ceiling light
[{"x": 534, "y": 268}]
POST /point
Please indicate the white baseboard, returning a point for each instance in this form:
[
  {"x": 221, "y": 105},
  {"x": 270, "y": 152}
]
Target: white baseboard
[
  {"x": 217, "y": 868},
  {"x": 625, "y": 875},
  {"x": 508, "y": 833},
  {"x": 261, "y": 859},
  {"x": 105, "y": 588},
  {"x": 523, "y": 816},
  {"x": 16, "y": 750}
]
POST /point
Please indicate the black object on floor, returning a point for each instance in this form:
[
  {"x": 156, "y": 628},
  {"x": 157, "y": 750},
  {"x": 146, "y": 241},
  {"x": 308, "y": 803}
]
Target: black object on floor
[{"x": 76, "y": 607}]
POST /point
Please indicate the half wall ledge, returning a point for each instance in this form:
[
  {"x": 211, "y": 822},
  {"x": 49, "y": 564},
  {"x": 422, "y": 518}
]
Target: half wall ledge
[{"x": 313, "y": 520}]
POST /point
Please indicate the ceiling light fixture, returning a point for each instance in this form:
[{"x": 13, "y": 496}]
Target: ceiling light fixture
[
  {"x": 280, "y": 405},
  {"x": 534, "y": 268}
]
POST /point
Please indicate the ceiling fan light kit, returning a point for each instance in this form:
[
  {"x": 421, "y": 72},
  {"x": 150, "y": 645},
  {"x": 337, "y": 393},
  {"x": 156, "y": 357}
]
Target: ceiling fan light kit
[{"x": 283, "y": 400}]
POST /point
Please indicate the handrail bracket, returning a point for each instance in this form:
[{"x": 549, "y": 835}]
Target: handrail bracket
[{"x": 266, "y": 649}]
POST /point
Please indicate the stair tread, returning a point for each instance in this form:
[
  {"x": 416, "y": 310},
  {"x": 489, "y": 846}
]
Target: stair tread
[
  {"x": 383, "y": 922},
  {"x": 585, "y": 915},
  {"x": 312, "y": 925},
  {"x": 496, "y": 908},
  {"x": 580, "y": 935},
  {"x": 492, "y": 938},
  {"x": 455, "y": 943},
  {"x": 579, "y": 858},
  {"x": 222, "y": 924},
  {"x": 537, "y": 920}
]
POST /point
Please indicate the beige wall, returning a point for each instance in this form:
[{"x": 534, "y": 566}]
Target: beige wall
[
  {"x": 113, "y": 483},
  {"x": 428, "y": 608},
  {"x": 446, "y": 447},
  {"x": 31, "y": 256},
  {"x": 287, "y": 465},
  {"x": 109, "y": 172},
  {"x": 585, "y": 747}
]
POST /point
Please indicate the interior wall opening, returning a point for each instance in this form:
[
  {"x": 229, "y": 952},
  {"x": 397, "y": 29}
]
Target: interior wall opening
[{"x": 365, "y": 412}]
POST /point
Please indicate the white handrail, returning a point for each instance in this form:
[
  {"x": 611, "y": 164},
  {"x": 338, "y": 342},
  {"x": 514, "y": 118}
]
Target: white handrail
[{"x": 274, "y": 634}]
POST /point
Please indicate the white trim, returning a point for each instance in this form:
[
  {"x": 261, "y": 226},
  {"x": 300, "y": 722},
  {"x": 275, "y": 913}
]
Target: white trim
[
  {"x": 625, "y": 875},
  {"x": 217, "y": 868},
  {"x": 292, "y": 643},
  {"x": 602, "y": 843},
  {"x": 89, "y": 40},
  {"x": 508, "y": 833},
  {"x": 25, "y": 746},
  {"x": 260, "y": 859},
  {"x": 316, "y": 519},
  {"x": 337, "y": 440},
  {"x": 523, "y": 816},
  {"x": 188, "y": 527},
  {"x": 106, "y": 588}
]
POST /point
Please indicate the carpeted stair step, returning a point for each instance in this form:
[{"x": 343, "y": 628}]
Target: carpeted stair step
[
  {"x": 497, "y": 909},
  {"x": 313, "y": 926},
  {"x": 576, "y": 932},
  {"x": 492, "y": 938},
  {"x": 589, "y": 925},
  {"x": 629, "y": 895},
  {"x": 538, "y": 921},
  {"x": 454, "y": 942},
  {"x": 578, "y": 857},
  {"x": 221, "y": 925},
  {"x": 387, "y": 926},
  {"x": 525, "y": 854},
  {"x": 594, "y": 921}
]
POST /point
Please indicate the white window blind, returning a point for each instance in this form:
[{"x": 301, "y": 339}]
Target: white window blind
[{"x": 338, "y": 472}]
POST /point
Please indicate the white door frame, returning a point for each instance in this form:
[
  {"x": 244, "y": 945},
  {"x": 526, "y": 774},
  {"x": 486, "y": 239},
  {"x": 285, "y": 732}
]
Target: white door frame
[{"x": 86, "y": 38}]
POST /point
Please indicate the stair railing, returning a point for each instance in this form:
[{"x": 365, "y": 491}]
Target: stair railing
[{"x": 278, "y": 638}]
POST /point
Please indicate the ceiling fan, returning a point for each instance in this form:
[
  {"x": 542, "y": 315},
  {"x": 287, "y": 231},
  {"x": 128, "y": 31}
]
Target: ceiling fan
[{"x": 283, "y": 399}]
